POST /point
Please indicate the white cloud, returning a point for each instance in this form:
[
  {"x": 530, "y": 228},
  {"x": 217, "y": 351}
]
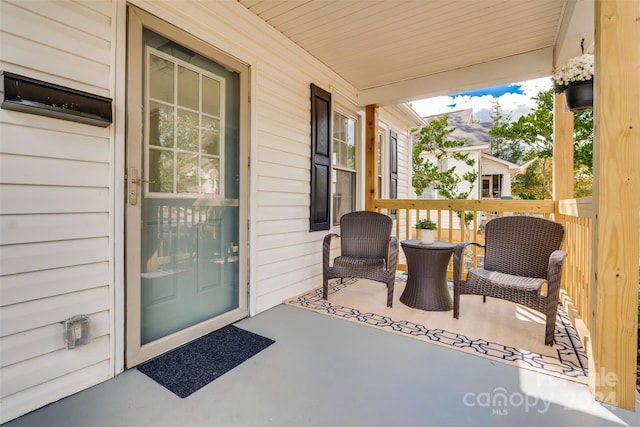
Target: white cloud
[
  {"x": 432, "y": 106},
  {"x": 533, "y": 87},
  {"x": 515, "y": 104}
]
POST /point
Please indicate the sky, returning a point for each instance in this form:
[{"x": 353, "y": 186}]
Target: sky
[{"x": 515, "y": 98}]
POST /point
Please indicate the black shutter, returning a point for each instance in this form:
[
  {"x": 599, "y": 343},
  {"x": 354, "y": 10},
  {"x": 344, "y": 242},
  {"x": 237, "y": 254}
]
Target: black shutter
[
  {"x": 319, "y": 215},
  {"x": 393, "y": 178}
]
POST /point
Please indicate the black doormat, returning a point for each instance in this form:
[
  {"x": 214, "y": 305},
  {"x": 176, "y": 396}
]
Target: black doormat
[{"x": 190, "y": 367}]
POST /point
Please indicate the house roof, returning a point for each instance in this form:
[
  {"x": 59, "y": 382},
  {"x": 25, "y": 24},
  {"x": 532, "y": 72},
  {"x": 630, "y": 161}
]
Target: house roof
[
  {"x": 400, "y": 51},
  {"x": 511, "y": 166},
  {"x": 476, "y": 134}
]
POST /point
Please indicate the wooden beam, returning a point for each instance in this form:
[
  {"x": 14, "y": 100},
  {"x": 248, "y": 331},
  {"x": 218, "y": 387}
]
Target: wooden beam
[
  {"x": 616, "y": 195},
  {"x": 371, "y": 154},
  {"x": 520, "y": 67},
  {"x": 562, "y": 150}
]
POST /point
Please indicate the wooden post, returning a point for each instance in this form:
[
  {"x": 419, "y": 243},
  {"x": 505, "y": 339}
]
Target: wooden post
[
  {"x": 562, "y": 150},
  {"x": 563, "y": 167},
  {"x": 617, "y": 200},
  {"x": 371, "y": 154}
]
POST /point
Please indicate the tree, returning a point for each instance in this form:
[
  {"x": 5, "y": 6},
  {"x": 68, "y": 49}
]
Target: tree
[
  {"x": 531, "y": 137},
  {"x": 502, "y": 147},
  {"x": 433, "y": 141},
  {"x": 583, "y": 152}
]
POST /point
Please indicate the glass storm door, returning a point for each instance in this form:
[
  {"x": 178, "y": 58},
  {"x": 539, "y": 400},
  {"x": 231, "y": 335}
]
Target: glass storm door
[{"x": 183, "y": 210}]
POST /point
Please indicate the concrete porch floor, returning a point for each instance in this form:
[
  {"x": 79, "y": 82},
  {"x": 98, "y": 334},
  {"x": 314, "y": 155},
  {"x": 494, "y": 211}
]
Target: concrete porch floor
[{"x": 324, "y": 371}]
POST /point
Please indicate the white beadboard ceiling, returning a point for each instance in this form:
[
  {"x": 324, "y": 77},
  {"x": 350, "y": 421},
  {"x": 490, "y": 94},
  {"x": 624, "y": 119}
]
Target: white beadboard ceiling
[{"x": 401, "y": 50}]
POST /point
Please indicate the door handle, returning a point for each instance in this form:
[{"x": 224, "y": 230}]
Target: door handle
[{"x": 133, "y": 182}]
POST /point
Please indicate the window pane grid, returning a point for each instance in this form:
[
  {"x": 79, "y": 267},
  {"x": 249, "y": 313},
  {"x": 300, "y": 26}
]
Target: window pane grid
[
  {"x": 344, "y": 166},
  {"x": 185, "y": 131},
  {"x": 344, "y": 142}
]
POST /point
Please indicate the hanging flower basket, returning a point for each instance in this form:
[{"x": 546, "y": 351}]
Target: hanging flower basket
[
  {"x": 579, "y": 97},
  {"x": 575, "y": 79}
]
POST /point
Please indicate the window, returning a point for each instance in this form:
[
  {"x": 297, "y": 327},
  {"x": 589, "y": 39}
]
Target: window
[
  {"x": 486, "y": 186},
  {"x": 185, "y": 131},
  {"x": 492, "y": 186},
  {"x": 344, "y": 166},
  {"x": 387, "y": 165}
]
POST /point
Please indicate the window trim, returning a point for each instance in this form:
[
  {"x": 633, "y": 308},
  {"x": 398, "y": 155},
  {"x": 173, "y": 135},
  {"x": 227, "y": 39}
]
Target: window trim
[
  {"x": 175, "y": 150},
  {"x": 383, "y": 161},
  {"x": 356, "y": 171}
]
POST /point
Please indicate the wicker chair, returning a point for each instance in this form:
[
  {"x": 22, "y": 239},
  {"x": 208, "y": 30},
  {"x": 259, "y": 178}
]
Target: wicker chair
[
  {"x": 368, "y": 251},
  {"x": 522, "y": 253}
]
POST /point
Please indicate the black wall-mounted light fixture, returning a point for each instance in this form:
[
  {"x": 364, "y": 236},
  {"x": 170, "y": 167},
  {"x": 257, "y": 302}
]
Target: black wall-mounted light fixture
[{"x": 47, "y": 99}]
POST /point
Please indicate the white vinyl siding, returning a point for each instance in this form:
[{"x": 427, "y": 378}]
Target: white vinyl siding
[
  {"x": 491, "y": 167},
  {"x": 461, "y": 169},
  {"x": 396, "y": 119},
  {"x": 404, "y": 164},
  {"x": 280, "y": 142},
  {"x": 62, "y": 183},
  {"x": 56, "y": 215},
  {"x": 382, "y": 148}
]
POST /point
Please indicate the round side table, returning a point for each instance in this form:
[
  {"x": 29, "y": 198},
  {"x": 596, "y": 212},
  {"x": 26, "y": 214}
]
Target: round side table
[{"x": 427, "y": 276}]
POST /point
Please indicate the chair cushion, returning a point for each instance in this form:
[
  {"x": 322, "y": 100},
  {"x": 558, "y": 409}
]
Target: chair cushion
[
  {"x": 481, "y": 276},
  {"x": 358, "y": 262}
]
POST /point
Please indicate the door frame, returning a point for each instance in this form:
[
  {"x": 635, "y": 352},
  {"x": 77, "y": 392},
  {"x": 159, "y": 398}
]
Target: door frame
[{"x": 136, "y": 353}]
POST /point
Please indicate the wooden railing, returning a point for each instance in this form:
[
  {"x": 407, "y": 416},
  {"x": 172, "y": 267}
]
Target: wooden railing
[
  {"x": 449, "y": 213},
  {"x": 576, "y": 215}
]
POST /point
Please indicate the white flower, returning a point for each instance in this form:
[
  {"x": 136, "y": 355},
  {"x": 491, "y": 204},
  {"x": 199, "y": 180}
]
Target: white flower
[{"x": 576, "y": 70}]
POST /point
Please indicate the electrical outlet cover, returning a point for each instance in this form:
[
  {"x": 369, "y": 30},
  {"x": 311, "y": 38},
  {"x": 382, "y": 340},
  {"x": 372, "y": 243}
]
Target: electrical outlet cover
[{"x": 76, "y": 331}]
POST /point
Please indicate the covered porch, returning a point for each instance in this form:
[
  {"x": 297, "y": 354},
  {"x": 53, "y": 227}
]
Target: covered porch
[
  {"x": 600, "y": 281},
  {"x": 369, "y": 55},
  {"x": 324, "y": 371}
]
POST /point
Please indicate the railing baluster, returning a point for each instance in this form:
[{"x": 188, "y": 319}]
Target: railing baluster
[{"x": 409, "y": 211}]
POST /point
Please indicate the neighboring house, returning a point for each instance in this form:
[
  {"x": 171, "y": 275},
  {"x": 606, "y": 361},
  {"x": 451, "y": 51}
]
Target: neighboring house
[
  {"x": 394, "y": 157},
  {"x": 496, "y": 177},
  {"x": 394, "y": 146},
  {"x": 494, "y": 174},
  {"x": 204, "y": 175}
]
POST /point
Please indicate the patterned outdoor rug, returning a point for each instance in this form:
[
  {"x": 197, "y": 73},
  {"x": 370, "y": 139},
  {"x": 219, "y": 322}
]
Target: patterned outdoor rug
[{"x": 498, "y": 330}]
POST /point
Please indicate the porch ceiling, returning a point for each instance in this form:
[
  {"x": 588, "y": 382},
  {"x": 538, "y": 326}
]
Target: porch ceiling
[{"x": 397, "y": 51}]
